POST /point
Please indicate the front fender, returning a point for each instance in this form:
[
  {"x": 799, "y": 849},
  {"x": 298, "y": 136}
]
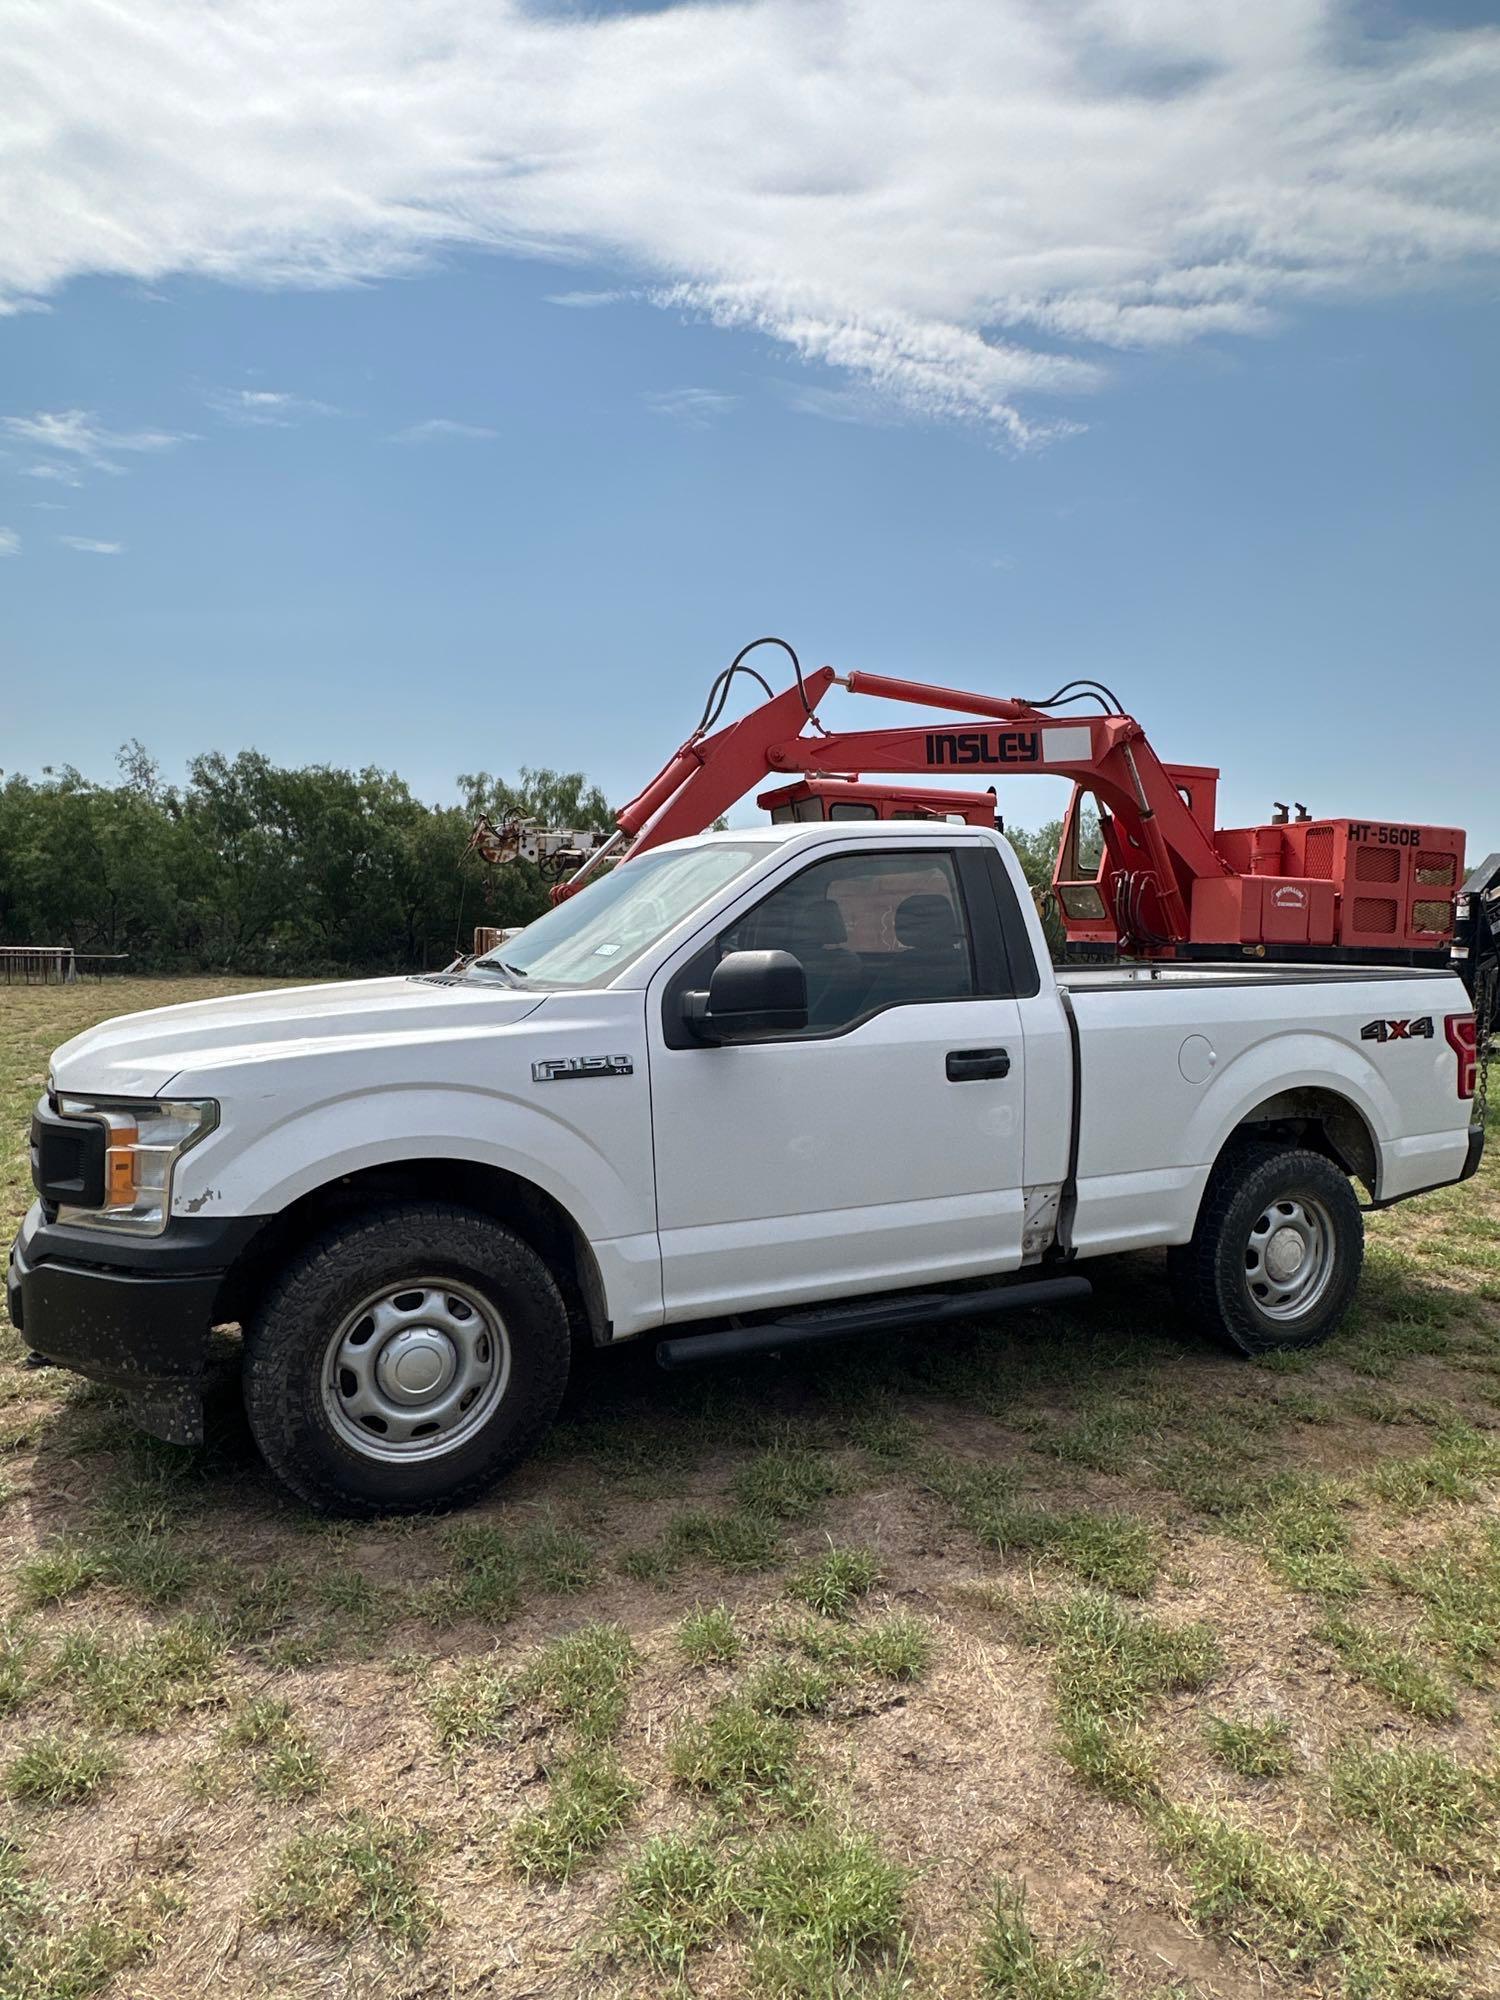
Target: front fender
[{"x": 597, "y": 1167}]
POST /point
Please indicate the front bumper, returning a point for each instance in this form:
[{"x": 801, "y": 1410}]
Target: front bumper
[{"x": 133, "y": 1315}]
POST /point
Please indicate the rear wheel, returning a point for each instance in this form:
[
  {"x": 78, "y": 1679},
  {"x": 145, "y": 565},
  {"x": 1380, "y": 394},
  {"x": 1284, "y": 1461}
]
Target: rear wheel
[
  {"x": 405, "y": 1360},
  {"x": 1276, "y": 1254}
]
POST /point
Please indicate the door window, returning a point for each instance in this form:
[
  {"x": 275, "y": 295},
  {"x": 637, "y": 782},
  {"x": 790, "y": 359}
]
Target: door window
[{"x": 871, "y": 931}]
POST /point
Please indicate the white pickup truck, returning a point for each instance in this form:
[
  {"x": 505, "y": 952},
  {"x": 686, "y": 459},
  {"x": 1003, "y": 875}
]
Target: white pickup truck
[{"x": 749, "y": 1089}]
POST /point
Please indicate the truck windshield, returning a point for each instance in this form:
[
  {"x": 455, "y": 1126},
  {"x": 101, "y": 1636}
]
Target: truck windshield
[{"x": 595, "y": 934}]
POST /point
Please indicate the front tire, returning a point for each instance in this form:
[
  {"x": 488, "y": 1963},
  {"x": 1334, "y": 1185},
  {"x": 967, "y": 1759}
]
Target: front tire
[
  {"x": 1276, "y": 1254},
  {"x": 405, "y": 1359}
]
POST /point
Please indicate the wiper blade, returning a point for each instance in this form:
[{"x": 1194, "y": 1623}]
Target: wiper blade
[{"x": 497, "y": 966}]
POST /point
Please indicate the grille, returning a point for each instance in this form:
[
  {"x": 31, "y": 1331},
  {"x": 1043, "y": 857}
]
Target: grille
[
  {"x": 1432, "y": 916},
  {"x": 1436, "y": 871},
  {"x": 1319, "y": 852},
  {"x": 67, "y": 1159},
  {"x": 1377, "y": 864},
  {"x": 1375, "y": 913}
]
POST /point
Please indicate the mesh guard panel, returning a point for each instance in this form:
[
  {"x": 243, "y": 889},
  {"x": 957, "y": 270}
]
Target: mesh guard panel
[
  {"x": 1375, "y": 913},
  {"x": 1320, "y": 853},
  {"x": 1377, "y": 864}
]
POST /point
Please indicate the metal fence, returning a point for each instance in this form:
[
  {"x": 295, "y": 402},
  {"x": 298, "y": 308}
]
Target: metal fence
[{"x": 54, "y": 964}]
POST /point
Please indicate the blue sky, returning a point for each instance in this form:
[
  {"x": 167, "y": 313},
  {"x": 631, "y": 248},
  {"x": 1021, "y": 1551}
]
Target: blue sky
[{"x": 403, "y": 508}]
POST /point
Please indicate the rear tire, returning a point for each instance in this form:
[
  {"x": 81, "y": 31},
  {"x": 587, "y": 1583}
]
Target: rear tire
[
  {"x": 1276, "y": 1254},
  {"x": 404, "y": 1360}
]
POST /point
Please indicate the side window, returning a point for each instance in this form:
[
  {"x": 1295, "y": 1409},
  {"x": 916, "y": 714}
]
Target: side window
[{"x": 871, "y": 930}]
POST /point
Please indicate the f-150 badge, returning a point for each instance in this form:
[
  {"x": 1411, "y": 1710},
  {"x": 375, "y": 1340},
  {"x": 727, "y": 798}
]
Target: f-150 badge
[{"x": 561, "y": 1069}]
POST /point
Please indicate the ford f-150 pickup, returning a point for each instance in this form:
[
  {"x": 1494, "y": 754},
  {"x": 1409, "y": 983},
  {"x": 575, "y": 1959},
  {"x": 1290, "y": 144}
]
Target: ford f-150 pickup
[{"x": 749, "y": 1089}]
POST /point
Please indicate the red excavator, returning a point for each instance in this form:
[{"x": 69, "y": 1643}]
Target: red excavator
[{"x": 1142, "y": 869}]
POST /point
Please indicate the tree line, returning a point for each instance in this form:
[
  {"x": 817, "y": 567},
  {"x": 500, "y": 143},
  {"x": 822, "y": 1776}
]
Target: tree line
[{"x": 254, "y": 867}]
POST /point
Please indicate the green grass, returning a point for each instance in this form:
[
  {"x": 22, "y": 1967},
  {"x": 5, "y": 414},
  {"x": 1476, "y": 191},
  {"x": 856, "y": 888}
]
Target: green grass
[
  {"x": 1250, "y": 1749},
  {"x": 828, "y": 1910},
  {"x": 738, "y": 1543},
  {"x": 1390, "y": 1669},
  {"x": 1459, "y": 1585},
  {"x": 141, "y": 1685},
  {"x": 483, "y": 1580},
  {"x": 1460, "y": 1461},
  {"x": 1261, "y": 1892},
  {"x": 557, "y": 1561},
  {"x": 60, "y": 1771},
  {"x": 738, "y": 1756},
  {"x": 834, "y": 1582},
  {"x": 1014, "y": 1966},
  {"x": 789, "y": 1687},
  {"x": 16, "y": 1650},
  {"x": 707, "y": 1636},
  {"x": 1304, "y": 1535},
  {"x": 1114, "y": 1550},
  {"x": 49, "y": 1950},
  {"x": 268, "y": 1747},
  {"x": 1426, "y": 1804},
  {"x": 474, "y": 1705},
  {"x": 583, "y": 1680},
  {"x": 580, "y": 1680},
  {"x": 590, "y": 1799},
  {"x": 895, "y": 1648},
  {"x": 1108, "y": 1665},
  {"x": 356, "y": 1875},
  {"x": 674, "y": 1897},
  {"x": 1112, "y": 1662},
  {"x": 349, "y": 1593},
  {"x": 788, "y": 1482}
]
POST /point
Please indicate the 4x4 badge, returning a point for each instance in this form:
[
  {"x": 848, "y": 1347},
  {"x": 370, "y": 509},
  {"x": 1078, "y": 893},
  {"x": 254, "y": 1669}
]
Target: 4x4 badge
[
  {"x": 1397, "y": 1031},
  {"x": 559, "y": 1069}
]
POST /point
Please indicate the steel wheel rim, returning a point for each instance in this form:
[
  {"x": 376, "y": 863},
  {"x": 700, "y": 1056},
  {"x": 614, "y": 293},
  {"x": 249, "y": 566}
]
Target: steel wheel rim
[
  {"x": 415, "y": 1370},
  {"x": 1290, "y": 1257}
]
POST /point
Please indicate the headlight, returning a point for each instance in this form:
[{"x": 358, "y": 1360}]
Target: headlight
[{"x": 143, "y": 1140}]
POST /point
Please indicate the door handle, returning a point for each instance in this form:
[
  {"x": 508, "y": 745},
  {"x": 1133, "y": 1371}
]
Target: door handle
[{"x": 969, "y": 1065}]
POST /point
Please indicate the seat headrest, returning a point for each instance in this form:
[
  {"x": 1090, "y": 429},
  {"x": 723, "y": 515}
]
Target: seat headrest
[
  {"x": 806, "y": 925},
  {"x": 926, "y": 923}
]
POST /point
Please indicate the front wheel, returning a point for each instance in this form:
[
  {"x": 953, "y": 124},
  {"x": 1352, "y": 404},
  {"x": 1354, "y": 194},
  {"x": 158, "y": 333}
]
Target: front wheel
[
  {"x": 1275, "y": 1257},
  {"x": 405, "y": 1360}
]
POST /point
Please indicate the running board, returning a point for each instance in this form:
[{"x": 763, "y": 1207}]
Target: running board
[{"x": 866, "y": 1316}]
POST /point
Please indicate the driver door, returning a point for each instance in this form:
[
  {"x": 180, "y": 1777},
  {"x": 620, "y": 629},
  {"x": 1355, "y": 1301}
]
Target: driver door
[{"x": 880, "y": 1147}]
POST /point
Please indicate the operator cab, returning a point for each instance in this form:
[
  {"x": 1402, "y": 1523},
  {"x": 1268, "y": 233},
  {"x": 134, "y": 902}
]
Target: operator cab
[{"x": 837, "y": 798}]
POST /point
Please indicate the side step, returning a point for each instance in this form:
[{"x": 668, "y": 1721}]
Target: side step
[{"x": 866, "y": 1316}]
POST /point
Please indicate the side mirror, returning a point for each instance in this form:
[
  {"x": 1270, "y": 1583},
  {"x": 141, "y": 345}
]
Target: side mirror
[{"x": 749, "y": 993}]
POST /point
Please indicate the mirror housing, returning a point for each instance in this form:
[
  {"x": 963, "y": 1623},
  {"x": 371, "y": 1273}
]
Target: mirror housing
[{"x": 749, "y": 993}]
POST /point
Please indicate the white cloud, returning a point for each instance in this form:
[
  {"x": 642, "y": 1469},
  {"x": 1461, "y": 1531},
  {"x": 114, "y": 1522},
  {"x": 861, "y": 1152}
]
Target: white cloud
[
  {"x": 86, "y": 545},
  {"x": 440, "y": 427},
  {"x": 10, "y": 542},
  {"x": 79, "y": 436},
  {"x": 695, "y": 407},
  {"x": 266, "y": 407},
  {"x": 937, "y": 200},
  {"x": 587, "y": 301},
  {"x": 63, "y": 475}
]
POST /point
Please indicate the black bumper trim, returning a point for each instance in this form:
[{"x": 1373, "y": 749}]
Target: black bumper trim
[
  {"x": 141, "y": 1326},
  {"x": 1476, "y": 1153}
]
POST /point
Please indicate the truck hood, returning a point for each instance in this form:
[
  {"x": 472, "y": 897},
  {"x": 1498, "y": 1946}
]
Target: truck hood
[{"x": 138, "y": 1055}]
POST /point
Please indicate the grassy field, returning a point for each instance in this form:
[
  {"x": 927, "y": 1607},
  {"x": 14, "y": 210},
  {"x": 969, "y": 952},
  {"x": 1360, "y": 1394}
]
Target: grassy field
[{"x": 1064, "y": 1659}]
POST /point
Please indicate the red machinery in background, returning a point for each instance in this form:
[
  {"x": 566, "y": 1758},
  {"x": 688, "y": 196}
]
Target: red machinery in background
[{"x": 1142, "y": 869}]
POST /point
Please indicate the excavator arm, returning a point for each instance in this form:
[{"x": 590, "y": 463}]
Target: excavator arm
[{"x": 1107, "y": 754}]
